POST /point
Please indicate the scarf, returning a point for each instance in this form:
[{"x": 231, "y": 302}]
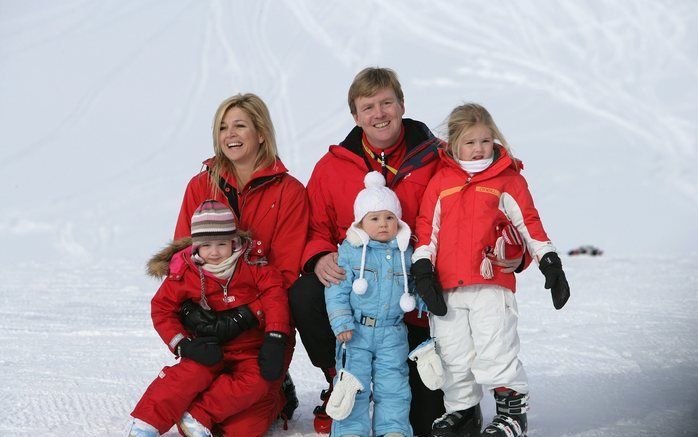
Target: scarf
[{"x": 474, "y": 167}]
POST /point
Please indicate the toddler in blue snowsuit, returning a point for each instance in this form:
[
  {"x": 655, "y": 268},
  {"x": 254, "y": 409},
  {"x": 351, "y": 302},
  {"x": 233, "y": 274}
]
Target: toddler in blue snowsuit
[{"x": 366, "y": 311}]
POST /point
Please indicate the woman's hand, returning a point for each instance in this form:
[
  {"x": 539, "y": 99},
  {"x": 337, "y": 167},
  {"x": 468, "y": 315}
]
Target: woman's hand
[
  {"x": 345, "y": 336},
  {"x": 328, "y": 271}
]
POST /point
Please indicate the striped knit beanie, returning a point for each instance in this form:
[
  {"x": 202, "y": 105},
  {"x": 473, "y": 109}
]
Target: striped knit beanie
[{"x": 212, "y": 221}]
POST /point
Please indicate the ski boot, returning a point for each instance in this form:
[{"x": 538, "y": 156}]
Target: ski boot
[
  {"x": 510, "y": 420},
  {"x": 463, "y": 423},
  {"x": 288, "y": 389},
  {"x": 139, "y": 428},
  {"x": 191, "y": 427},
  {"x": 323, "y": 422}
]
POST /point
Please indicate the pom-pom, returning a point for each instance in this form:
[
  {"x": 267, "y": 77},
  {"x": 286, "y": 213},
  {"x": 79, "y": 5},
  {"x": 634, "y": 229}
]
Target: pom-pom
[
  {"x": 407, "y": 302},
  {"x": 374, "y": 179},
  {"x": 360, "y": 286}
]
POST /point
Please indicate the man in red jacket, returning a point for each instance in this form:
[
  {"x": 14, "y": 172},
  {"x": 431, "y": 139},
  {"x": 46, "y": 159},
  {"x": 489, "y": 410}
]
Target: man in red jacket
[{"x": 405, "y": 152}]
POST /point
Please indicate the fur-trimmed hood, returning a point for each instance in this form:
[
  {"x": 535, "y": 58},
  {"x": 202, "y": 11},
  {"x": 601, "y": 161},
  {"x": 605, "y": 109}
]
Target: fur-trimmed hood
[
  {"x": 163, "y": 263},
  {"x": 159, "y": 265}
]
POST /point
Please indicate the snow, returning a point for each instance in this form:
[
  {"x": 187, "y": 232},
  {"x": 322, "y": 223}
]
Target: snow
[
  {"x": 618, "y": 360},
  {"x": 106, "y": 108}
]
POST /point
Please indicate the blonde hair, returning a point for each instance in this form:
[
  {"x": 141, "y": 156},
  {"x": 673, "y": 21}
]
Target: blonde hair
[
  {"x": 369, "y": 81},
  {"x": 464, "y": 117},
  {"x": 258, "y": 112}
]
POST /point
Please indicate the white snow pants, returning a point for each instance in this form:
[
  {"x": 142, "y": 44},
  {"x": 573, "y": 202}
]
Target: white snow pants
[{"x": 478, "y": 344}]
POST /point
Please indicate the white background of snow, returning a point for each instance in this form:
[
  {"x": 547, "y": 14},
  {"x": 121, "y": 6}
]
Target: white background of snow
[{"x": 105, "y": 114}]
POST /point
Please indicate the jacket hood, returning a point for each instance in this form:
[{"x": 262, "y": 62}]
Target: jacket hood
[
  {"x": 501, "y": 162},
  {"x": 421, "y": 144},
  {"x": 159, "y": 265},
  {"x": 358, "y": 237},
  {"x": 260, "y": 176}
]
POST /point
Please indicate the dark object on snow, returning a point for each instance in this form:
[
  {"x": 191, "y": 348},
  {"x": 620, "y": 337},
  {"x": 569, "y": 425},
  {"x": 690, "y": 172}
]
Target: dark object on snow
[
  {"x": 555, "y": 280},
  {"x": 586, "y": 250}
]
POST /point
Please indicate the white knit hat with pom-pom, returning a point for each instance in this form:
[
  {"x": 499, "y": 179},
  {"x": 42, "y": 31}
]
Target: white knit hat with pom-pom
[{"x": 377, "y": 197}]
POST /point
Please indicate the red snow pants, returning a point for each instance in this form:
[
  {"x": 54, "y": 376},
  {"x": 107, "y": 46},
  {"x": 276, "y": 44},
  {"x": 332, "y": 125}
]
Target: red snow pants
[{"x": 233, "y": 394}]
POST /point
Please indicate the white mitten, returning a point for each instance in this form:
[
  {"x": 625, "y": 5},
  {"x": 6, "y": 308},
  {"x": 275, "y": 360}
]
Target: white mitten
[
  {"x": 428, "y": 364},
  {"x": 341, "y": 400}
]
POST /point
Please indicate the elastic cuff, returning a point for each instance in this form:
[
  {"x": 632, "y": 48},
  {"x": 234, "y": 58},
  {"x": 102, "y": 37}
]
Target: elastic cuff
[{"x": 175, "y": 341}]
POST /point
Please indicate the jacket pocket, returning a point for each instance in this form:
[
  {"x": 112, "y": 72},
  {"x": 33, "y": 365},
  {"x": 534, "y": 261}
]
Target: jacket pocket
[{"x": 369, "y": 273}]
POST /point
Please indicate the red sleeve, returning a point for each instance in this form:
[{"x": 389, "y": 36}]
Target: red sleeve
[
  {"x": 519, "y": 208},
  {"x": 274, "y": 299},
  {"x": 428, "y": 222},
  {"x": 164, "y": 310},
  {"x": 291, "y": 231},
  {"x": 322, "y": 232}
]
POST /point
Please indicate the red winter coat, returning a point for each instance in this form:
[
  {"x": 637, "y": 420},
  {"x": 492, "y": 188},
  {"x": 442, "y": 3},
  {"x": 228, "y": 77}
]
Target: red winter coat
[
  {"x": 459, "y": 216},
  {"x": 259, "y": 286},
  {"x": 273, "y": 206},
  {"x": 339, "y": 176}
]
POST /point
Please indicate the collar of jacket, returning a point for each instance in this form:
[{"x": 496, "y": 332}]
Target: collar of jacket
[
  {"x": 501, "y": 162},
  {"x": 259, "y": 177},
  {"x": 358, "y": 237},
  {"x": 422, "y": 148}
]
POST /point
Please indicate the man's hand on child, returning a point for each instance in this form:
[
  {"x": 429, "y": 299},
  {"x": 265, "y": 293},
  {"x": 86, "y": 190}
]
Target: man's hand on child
[
  {"x": 345, "y": 336},
  {"x": 272, "y": 355},
  {"x": 203, "y": 350},
  {"x": 328, "y": 271},
  {"x": 555, "y": 279},
  {"x": 428, "y": 286}
]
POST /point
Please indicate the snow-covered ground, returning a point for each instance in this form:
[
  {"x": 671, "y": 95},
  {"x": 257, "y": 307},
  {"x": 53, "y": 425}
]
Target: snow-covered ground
[
  {"x": 78, "y": 349},
  {"x": 105, "y": 114}
]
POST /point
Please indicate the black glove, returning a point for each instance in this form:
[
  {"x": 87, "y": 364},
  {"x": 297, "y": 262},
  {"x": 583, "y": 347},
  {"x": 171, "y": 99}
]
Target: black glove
[
  {"x": 203, "y": 350},
  {"x": 428, "y": 286},
  {"x": 271, "y": 355},
  {"x": 555, "y": 280},
  {"x": 229, "y": 324},
  {"x": 225, "y": 325}
]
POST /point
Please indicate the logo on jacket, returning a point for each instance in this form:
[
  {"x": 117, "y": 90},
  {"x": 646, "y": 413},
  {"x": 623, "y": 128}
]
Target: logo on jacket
[{"x": 488, "y": 190}]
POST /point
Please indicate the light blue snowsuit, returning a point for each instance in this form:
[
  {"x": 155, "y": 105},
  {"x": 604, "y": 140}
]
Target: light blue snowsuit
[{"x": 377, "y": 351}]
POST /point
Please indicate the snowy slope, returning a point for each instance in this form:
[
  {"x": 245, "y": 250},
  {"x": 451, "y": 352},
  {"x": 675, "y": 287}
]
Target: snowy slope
[
  {"x": 105, "y": 114},
  {"x": 619, "y": 360},
  {"x": 106, "y": 107}
]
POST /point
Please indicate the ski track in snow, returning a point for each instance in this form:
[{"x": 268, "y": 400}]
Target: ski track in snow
[{"x": 619, "y": 360}]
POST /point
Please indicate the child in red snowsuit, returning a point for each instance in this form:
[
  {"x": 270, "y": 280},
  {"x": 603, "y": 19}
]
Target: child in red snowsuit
[
  {"x": 477, "y": 204},
  {"x": 227, "y": 369}
]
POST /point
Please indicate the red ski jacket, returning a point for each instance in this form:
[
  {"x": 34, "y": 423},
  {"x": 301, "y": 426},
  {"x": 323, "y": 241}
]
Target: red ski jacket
[
  {"x": 273, "y": 206},
  {"x": 258, "y": 286},
  {"x": 459, "y": 216},
  {"x": 339, "y": 176}
]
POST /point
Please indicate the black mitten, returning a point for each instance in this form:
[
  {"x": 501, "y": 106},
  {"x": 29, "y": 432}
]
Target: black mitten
[
  {"x": 192, "y": 316},
  {"x": 555, "y": 279},
  {"x": 229, "y": 324},
  {"x": 428, "y": 286},
  {"x": 271, "y": 355},
  {"x": 203, "y": 350}
]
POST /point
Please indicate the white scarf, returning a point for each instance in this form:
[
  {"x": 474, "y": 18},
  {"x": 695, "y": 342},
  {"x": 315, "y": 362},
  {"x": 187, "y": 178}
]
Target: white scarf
[
  {"x": 473, "y": 167},
  {"x": 226, "y": 268}
]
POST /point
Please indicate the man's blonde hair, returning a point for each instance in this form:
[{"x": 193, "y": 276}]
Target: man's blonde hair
[{"x": 369, "y": 81}]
